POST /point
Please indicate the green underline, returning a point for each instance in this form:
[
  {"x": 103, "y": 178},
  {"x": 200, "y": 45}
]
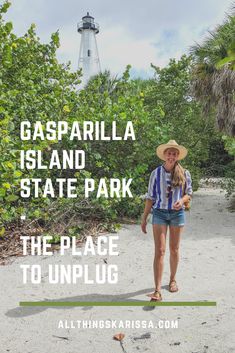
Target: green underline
[{"x": 120, "y": 303}]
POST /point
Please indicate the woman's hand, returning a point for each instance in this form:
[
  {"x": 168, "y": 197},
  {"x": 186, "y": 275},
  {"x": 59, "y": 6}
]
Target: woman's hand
[
  {"x": 178, "y": 204},
  {"x": 143, "y": 226},
  {"x": 147, "y": 210}
]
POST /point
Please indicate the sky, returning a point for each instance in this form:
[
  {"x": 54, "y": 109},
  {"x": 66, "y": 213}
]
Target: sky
[{"x": 131, "y": 32}]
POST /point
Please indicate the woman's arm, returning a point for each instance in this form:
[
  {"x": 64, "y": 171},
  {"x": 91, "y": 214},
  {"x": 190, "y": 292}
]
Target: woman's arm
[
  {"x": 150, "y": 199},
  {"x": 147, "y": 209},
  {"x": 187, "y": 192},
  {"x": 179, "y": 204}
]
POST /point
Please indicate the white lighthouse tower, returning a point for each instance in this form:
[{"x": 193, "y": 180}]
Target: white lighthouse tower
[{"x": 88, "y": 55}]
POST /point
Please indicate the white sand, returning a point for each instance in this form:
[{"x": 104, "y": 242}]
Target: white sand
[{"x": 206, "y": 272}]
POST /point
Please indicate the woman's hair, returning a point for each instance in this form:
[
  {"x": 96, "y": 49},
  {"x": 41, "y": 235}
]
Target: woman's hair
[{"x": 177, "y": 174}]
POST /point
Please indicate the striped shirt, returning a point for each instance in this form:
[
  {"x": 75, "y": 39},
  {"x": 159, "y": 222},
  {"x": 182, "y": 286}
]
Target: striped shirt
[{"x": 161, "y": 191}]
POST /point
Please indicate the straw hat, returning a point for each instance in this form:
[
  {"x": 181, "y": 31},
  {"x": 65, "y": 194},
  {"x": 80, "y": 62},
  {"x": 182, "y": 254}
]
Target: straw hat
[{"x": 171, "y": 144}]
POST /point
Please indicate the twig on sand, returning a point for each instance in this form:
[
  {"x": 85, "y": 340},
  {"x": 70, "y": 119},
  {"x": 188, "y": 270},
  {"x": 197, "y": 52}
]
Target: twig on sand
[
  {"x": 123, "y": 349},
  {"x": 61, "y": 337}
]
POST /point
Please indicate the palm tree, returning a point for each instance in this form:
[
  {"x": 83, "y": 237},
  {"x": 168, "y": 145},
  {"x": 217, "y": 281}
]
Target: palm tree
[
  {"x": 214, "y": 74},
  {"x": 105, "y": 81}
]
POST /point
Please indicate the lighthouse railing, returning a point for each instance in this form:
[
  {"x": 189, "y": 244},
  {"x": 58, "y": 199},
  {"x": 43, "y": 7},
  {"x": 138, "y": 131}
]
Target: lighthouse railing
[{"x": 86, "y": 24}]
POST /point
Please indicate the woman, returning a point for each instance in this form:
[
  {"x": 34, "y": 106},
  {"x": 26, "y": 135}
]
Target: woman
[{"x": 170, "y": 187}]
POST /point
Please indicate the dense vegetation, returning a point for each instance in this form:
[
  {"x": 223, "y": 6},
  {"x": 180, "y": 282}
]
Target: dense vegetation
[
  {"x": 34, "y": 86},
  {"x": 213, "y": 84}
]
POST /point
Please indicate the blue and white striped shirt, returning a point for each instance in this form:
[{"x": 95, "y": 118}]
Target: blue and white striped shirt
[{"x": 161, "y": 191}]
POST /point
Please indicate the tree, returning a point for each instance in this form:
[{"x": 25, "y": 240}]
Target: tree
[
  {"x": 213, "y": 84},
  {"x": 181, "y": 114},
  {"x": 214, "y": 77},
  {"x": 35, "y": 87}
]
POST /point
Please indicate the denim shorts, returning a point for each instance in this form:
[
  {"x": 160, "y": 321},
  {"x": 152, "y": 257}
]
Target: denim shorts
[{"x": 168, "y": 217}]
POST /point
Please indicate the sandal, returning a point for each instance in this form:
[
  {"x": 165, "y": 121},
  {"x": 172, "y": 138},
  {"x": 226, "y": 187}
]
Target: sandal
[
  {"x": 173, "y": 286},
  {"x": 156, "y": 296}
]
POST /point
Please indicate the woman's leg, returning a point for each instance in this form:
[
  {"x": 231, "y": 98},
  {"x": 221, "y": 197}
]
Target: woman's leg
[
  {"x": 159, "y": 233},
  {"x": 174, "y": 241}
]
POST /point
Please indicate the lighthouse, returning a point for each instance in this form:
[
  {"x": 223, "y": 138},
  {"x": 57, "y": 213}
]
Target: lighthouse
[{"x": 89, "y": 60}]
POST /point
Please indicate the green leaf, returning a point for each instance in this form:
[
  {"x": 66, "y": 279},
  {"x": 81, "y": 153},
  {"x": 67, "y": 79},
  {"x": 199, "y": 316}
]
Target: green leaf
[
  {"x": 12, "y": 198},
  {"x": 9, "y": 165},
  {"x": 55, "y": 39},
  {"x": 4, "y": 7},
  {"x": 8, "y": 27},
  {"x": 7, "y": 55},
  {"x": 2, "y": 192},
  {"x": 221, "y": 63},
  {"x": 6, "y": 185},
  {"x": 2, "y": 231},
  {"x": 17, "y": 173}
]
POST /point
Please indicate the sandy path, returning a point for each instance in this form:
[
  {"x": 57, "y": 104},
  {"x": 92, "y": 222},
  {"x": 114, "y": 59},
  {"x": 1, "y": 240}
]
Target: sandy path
[{"x": 206, "y": 272}]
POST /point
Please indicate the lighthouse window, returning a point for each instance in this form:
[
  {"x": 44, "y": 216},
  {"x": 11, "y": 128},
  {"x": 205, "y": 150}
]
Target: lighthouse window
[{"x": 88, "y": 52}]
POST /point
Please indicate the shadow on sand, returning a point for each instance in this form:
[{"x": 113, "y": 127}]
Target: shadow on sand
[{"x": 19, "y": 312}]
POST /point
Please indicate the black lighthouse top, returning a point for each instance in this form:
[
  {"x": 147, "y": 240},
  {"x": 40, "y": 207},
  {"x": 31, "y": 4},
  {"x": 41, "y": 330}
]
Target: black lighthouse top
[{"x": 88, "y": 23}]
